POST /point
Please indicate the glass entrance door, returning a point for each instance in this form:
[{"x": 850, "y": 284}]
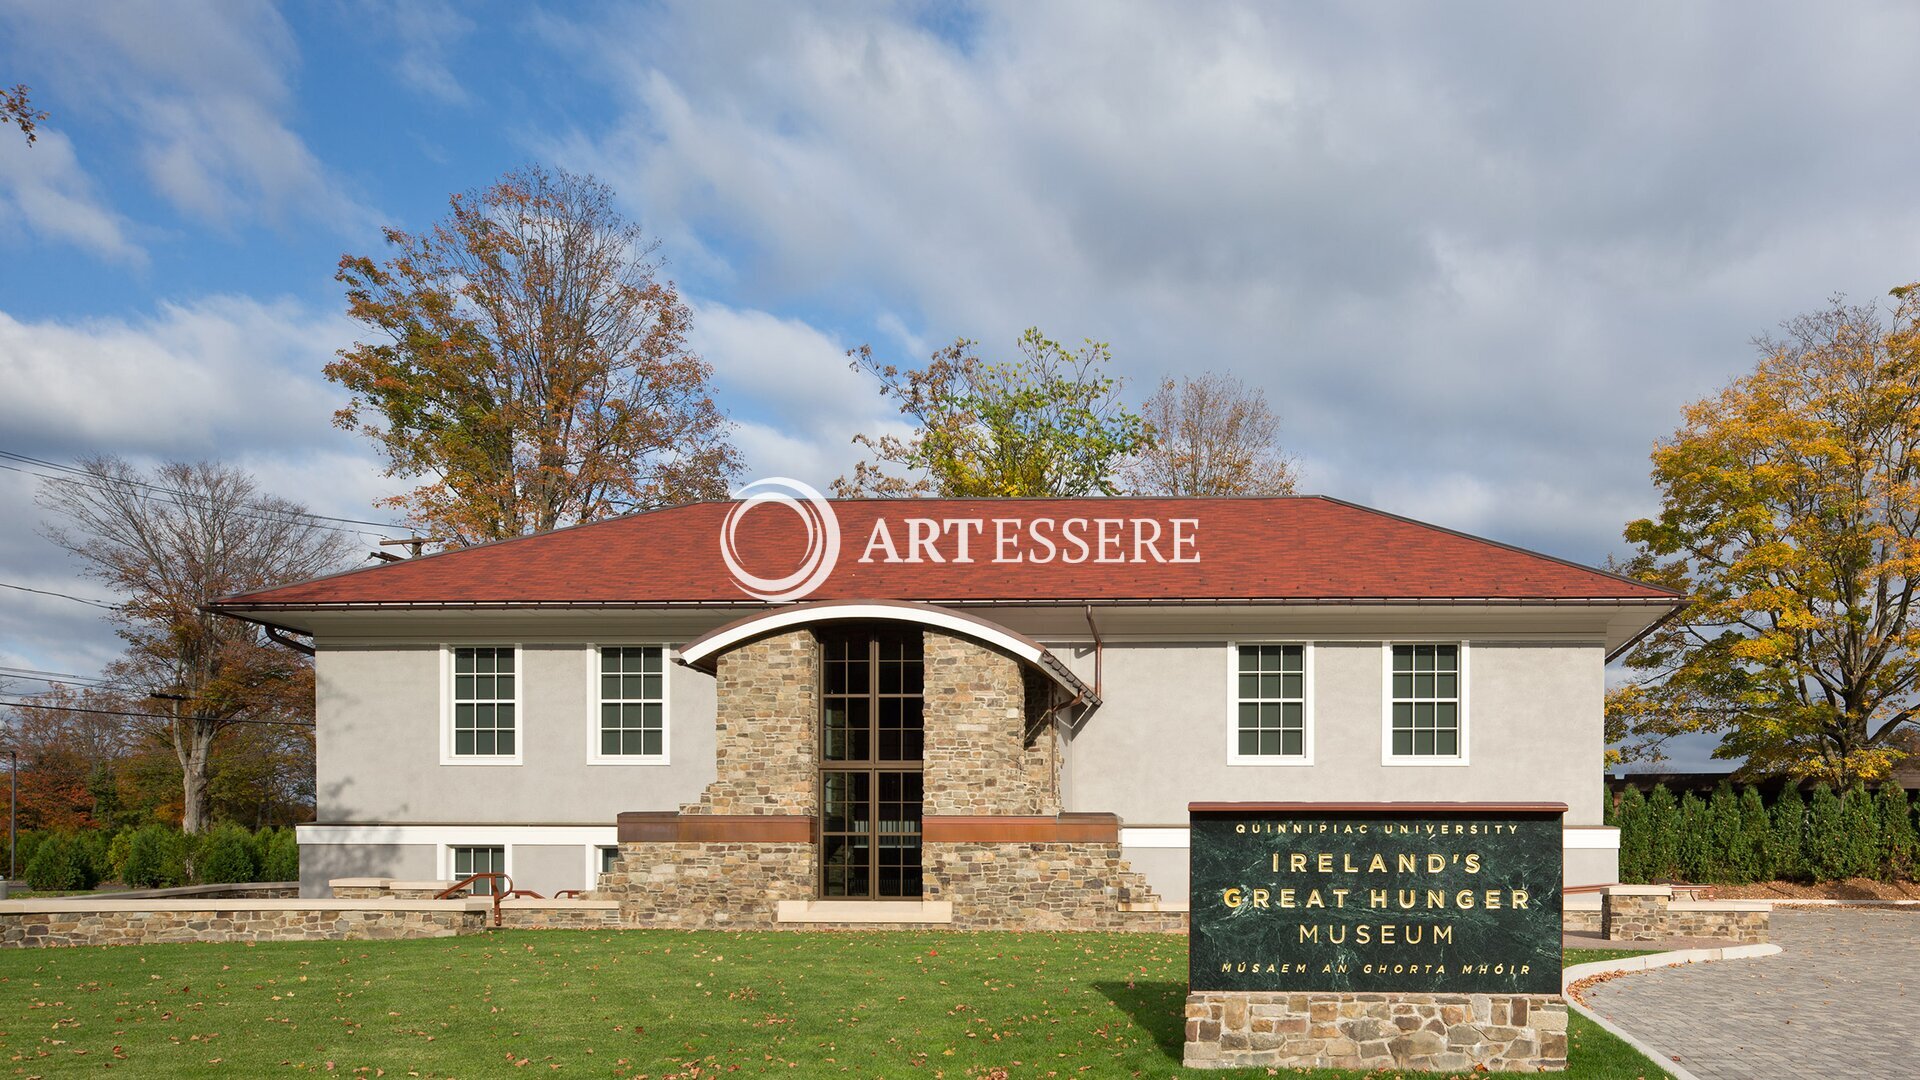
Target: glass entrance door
[{"x": 870, "y": 760}]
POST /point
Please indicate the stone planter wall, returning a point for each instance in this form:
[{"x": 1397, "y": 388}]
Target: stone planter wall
[
  {"x": 1649, "y": 913},
  {"x": 1450, "y": 1032},
  {"x": 1581, "y": 920},
  {"x": 28, "y": 923}
]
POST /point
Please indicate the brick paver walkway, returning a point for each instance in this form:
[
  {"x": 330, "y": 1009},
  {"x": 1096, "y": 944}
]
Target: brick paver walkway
[{"x": 1843, "y": 1000}]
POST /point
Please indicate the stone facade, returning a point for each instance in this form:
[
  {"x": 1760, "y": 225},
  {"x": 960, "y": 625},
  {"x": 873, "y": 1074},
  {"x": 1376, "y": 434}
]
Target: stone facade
[
  {"x": 100, "y": 922},
  {"x": 984, "y": 753},
  {"x": 990, "y": 752},
  {"x": 1011, "y": 886},
  {"x": 767, "y": 717},
  {"x": 1743, "y": 926},
  {"x": 1441, "y": 1032},
  {"x": 707, "y": 885}
]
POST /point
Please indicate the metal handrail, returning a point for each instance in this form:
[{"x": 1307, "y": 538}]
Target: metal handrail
[{"x": 498, "y": 894}]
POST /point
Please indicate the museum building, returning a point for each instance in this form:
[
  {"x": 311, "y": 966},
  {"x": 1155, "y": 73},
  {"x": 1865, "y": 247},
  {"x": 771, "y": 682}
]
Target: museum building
[{"x": 981, "y": 713}]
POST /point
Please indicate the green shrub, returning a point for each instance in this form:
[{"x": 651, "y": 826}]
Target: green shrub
[
  {"x": 261, "y": 844},
  {"x": 1721, "y": 834},
  {"x": 156, "y": 858},
  {"x": 1786, "y": 847},
  {"x": 118, "y": 851},
  {"x": 61, "y": 863},
  {"x": 1752, "y": 846},
  {"x": 1859, "y": 832},
  {"x": 1631, "y": 815},
  {"x": 95, "y": 843},
  {"x": 283, "y": 860},
  {"x": 225, "y": 856},
  {"x": 1663, "y": 834},
  {"x": 24, "y": 845},
  {"x": 1827, "y": 858},
  {"x": 1898, "y": 844}
]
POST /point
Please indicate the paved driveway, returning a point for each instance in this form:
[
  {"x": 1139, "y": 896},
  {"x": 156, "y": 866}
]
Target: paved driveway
[{"x": 1843, "y": 1000}]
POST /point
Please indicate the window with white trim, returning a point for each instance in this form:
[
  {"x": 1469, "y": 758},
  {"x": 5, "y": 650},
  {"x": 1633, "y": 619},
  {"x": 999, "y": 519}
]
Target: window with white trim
[
  {"x": 479, "y": 860},
  {"x": 1270, "y": 700},
  {"x": 1426, "y": 701},
  {"x": 484, "y": 720},
  {"x": 633, "y": 702}
]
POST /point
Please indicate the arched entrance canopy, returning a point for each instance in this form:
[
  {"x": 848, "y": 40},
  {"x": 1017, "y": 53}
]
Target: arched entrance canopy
[{"x": 703, "y": 651}]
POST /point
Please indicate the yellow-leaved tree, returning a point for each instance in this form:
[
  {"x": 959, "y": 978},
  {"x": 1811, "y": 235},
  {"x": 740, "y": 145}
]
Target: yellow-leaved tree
[{"x": 1790, "y": 513}]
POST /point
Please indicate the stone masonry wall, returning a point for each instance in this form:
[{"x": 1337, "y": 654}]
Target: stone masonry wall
[
  {"x": 768, "y": 711},
  {"x": 559, "y": 915},
  {"x": 1440, "y": 1032},
  {"x": 1580, "y": 920},
  {"x": 1017, "y": 886},
  {"x": 1742, "y": 927},
  {"x": 979, "y": 759},
  {"x": 707, "y": 885},
  {"x": 1634, "y": 918},
  {"x": 285, "y": 923}
]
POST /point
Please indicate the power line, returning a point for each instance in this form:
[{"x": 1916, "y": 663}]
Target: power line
[
  {"x": 149, "y": 715},
  {"x": 61, "y": 595},
  {"x": 91, "y": 476},
  {"x": 186, "y": 500},
  {"x": 56, "y": 678}
]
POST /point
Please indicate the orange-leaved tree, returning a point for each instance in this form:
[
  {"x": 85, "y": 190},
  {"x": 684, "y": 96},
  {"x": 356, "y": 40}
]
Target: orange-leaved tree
[
  {"x": 1790, "y": 513},
  {"x": 1212, "y": 435},
  {"x": 531, "y": 365}
]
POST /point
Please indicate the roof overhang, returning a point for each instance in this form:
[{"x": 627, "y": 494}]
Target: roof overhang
[{"x": 704, "y": 651}]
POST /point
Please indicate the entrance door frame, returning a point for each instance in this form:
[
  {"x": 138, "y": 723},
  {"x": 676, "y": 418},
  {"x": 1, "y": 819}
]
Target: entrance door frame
[{"x": 874, "y": 766}]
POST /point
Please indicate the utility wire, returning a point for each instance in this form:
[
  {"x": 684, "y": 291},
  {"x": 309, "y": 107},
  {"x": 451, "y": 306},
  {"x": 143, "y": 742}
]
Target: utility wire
[
  {"x": 56, "y": 678},
  {"x": 149, "y": 715},
  {"x": 61, "y": 595},
  {"x": 45, "y": 464}
]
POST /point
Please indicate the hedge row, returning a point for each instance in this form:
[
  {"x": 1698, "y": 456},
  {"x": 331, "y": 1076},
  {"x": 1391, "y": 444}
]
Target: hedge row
[
  {"x": 1737, "y": 839},
  {"x": 156, "y": 857}
]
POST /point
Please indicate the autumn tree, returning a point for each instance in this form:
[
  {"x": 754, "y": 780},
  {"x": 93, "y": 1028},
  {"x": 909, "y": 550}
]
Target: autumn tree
[
  {"x": 531, "y": 365},
  {"x": 1212, "y": 435},
  {"x": 17, "y": 109},
  {"x": 167, "y": 543},
  {"x": 1790, "y": 514},
  {"x": 1048, "y": 423}
]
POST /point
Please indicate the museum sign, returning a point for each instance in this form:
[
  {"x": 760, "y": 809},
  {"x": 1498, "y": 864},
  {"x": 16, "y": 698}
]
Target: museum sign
[{"x": 1366, "y": 897}]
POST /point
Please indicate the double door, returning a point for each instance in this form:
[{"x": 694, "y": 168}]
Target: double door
[{"x": 871, "y": 747}]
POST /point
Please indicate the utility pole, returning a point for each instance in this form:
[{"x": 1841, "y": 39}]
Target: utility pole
[
  {"x": 414, "y": 542},
  {"x": 13, "y": 813}
]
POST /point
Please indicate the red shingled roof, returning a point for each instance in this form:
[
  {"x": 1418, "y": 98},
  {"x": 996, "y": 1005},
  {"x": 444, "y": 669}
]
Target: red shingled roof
[{"x": 1290, "y": 549}]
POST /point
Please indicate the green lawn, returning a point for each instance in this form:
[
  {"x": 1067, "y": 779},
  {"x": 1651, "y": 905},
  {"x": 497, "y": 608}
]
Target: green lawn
[{"x": 654, "y": 1004}]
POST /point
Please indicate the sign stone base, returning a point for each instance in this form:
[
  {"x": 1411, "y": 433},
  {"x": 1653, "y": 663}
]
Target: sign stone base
[{"x": 1322, "y": 1030}]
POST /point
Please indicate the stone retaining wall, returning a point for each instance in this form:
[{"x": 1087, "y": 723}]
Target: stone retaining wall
[
  {"x": 1580, "y": 920},
  {"x": 1451, "y": 1032},
  {"x": 26, "y": 923},
  {"x": 1014, "y": 886}
]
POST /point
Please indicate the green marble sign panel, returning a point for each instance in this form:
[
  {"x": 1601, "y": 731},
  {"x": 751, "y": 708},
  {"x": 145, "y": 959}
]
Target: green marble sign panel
[{"x": 1430, "y": 902}]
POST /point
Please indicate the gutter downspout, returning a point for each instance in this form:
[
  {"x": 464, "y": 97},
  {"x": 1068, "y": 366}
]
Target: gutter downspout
[
  {"x": 1099, "y": 649},
  {"x": 297, "y": 646}
]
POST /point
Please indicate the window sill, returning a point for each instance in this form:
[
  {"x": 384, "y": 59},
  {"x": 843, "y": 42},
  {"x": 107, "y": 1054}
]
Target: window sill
[
  {"x": 632, "y": 759},
  {"x": 1425, "y": 762},
  {"x": 481, "y": 761},
  {"x": 1279, "y": 761}
]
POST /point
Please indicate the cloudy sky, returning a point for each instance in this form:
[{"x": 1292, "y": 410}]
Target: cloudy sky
[{"x": 1478, "y": 257}]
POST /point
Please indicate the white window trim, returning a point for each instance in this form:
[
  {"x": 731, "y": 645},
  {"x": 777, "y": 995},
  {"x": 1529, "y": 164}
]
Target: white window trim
[
  {"x": 443, "y": 859},
  {"x": 593, "y": 863},
  {"x": 1387, "y": 756},
  {"x": 447, "y": 756},
  {"x": 667, "y": 657},
  {"x": 1234, "y": 756}
]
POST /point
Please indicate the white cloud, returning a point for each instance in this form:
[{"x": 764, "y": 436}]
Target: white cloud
[
  {"x": 202, "y": 90},
  {"x": 791, "y": 389},
  {"x": 44, "y": 190},
  {"x": 425, "y": 29},
  {"x": 1477, "y": 258}
]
